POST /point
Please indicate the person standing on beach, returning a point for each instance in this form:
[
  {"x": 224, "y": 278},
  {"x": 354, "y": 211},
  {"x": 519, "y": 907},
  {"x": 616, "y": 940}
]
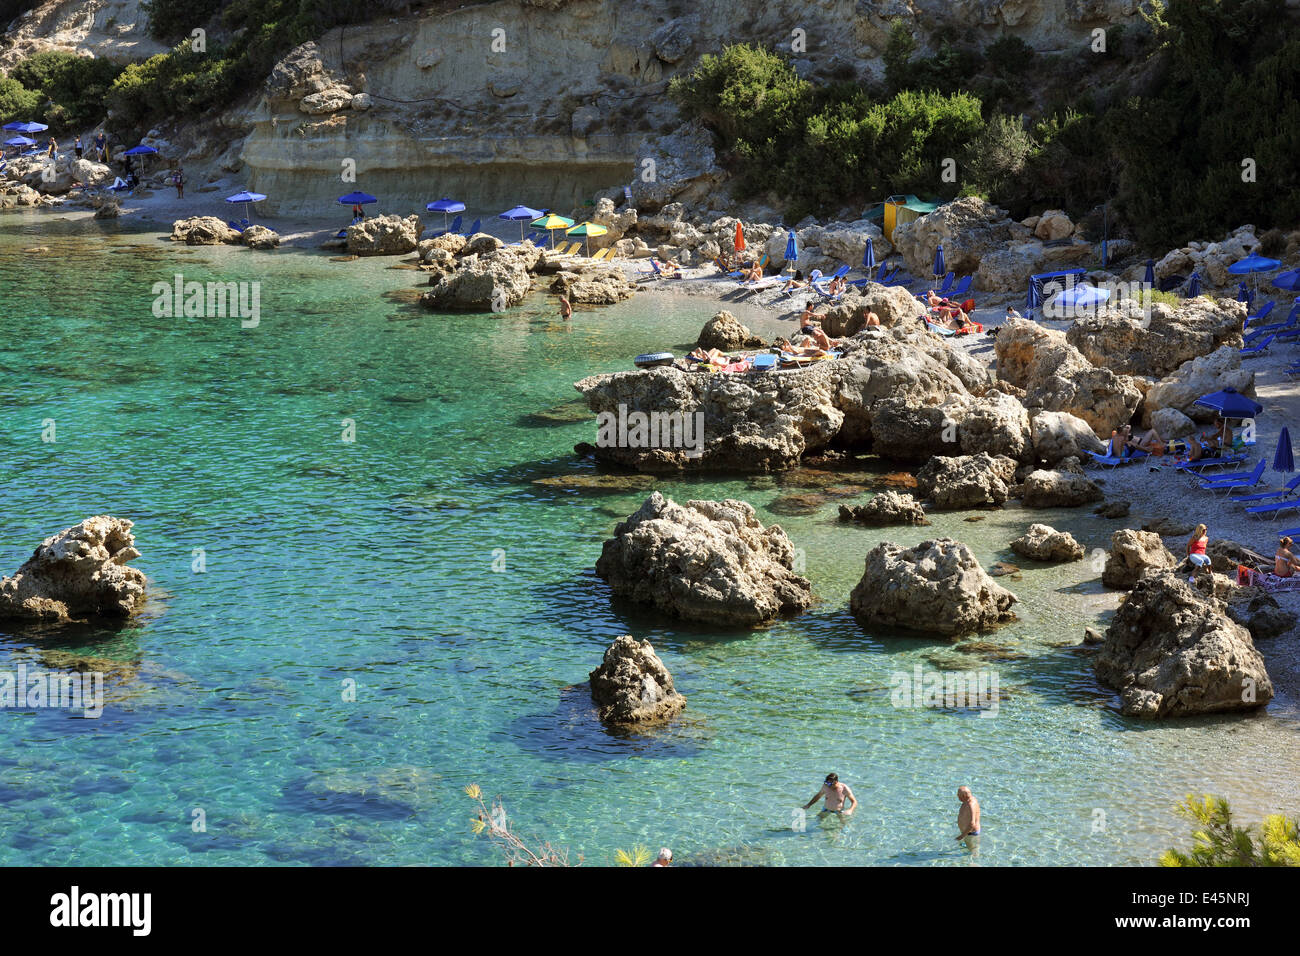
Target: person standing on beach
[
  {"x": 968, "y": 820},
  {"x": 53, "y": 151},
  {"x": 566, "y": 309},
  {"x": 76, "y": 147},
  {"x": 101, "y": 147},
  {"x": 835, "y": 793},
  {"x": 178, "y": 180}
]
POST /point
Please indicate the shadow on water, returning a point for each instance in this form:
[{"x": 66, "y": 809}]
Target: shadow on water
[{"x": 572, "y": 732}]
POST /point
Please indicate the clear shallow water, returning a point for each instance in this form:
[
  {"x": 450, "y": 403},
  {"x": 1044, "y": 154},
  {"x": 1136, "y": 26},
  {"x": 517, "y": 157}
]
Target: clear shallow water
[{"x": 372, "y": 561}]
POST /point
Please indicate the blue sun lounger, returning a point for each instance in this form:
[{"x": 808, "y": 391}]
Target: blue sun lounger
[
  {"x": 1273, "y": 508},
  {"x": 1287, "y": 490},
  {"x": 766, "y": 363},
  {"x": 1253, "y": 350},
  {"x": 1191, "y": 467},
  {"x": 1113, "y": 461},
  {"x": 962, "y": 287},
  {"x": 1236, "y": 480},
  {"x": 1262, "y": 313}
]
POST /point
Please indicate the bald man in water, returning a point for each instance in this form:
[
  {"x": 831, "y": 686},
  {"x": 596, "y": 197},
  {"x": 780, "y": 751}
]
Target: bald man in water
[{"x": 968, "y": 820}]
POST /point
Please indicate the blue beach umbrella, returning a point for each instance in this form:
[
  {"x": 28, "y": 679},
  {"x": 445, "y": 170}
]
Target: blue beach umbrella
[
  {"x": 792, "y": 247},
  {"x": 1243, "y": 294},
  {"x": 446, "y": 207},
  {"x": 1194, "y": 286},
  {"x": 140, "y": 150},
  {"x": 1082, "y": 297},
  {"x": 356, "y": 199},
  {"x": 868, "y": 256},
  {"x": 1230, "y": 403},
  {"x": 1150, "y": 277},
  {"x": 938, "y": 263},
  {"x": 245, "y": 197},
  {"x": 22, "y": 126},
  {"x": 20, "y": 141},
  {"x": 521, "y": 215},
  {"x": 1289, "y": 281},
  {"x": 1252, "y": 265},
  {"x": 1283, "y": 458},
  {"x": 1034, "y": 299}
]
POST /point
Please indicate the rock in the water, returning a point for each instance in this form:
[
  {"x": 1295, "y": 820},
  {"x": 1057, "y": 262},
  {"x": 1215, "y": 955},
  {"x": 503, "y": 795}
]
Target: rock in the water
[
  {"x": 1168, "y": 527},
  {"x": 969, "y": 481},
  {"x": 632, "y": 686},
  {"x": 725, "y": 332},
  {"x": 260, "y": 237},
  {"x": 384, "y": 236},
  {"x": 936, "y": 587},
  {"x": 886, "y": 508},
  {"x": 203, "y": 231},
  {"x": 1116, "y": 508},
  {"x": 1172, "y": 651},
  {"x": 1059, "y": 489},
  {"x": 487, "y": 283},
  {"x": 1134, "y": 554},
  {"x": 1042, "y": 543},
  {"x": 709, "y": 561},
  {"x": 79, "y": 573}
]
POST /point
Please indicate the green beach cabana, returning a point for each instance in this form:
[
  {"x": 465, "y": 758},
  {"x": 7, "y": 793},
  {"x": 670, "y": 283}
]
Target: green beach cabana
[{"x": 901, "y": 209}]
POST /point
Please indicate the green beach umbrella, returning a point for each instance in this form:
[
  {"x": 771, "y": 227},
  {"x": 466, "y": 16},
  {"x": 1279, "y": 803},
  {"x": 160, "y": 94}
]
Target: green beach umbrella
[
  {"x": 587, "y": 230},
  {"x": 551, "y": 223}
]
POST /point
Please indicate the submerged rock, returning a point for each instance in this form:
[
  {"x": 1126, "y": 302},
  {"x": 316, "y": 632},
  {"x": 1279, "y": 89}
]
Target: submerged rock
[
  {"x": 1043, "y": 543},
  {"x": 1172, "y": 651},
  {"x": 1134, "y": 554},
  {"x": 709, "y": 561},
  {"x": 937, "y": 587},
  {"x": 632, "y": 685},
  {"x": 79, "y": 573},
  {"x": 886, "y": 508}
]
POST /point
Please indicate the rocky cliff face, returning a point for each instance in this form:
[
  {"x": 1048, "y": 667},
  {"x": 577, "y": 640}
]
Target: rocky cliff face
[{"x": 541, "y": 101}]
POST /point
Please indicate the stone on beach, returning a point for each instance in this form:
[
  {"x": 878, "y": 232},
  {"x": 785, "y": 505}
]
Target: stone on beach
[
  {"x": 384, "y": 236},
  {"x": 1043, "y": 543},
  {"x": 893, "y": 306},
  {"x": 1133, "y": 555},
  {"x": 203, "y": 231},
  {"x": 937, "y": 587},
  {"x": 725, "y": 333},
  {"x": 79, "y": 573},
  {"x": 886, "y": 508},
  {"x": 1056, "y": 436},
  {"x": 1173, "y": 651},
  {"x": 966, "y": 481},
  {"x": 1179, "y": 390},
  {"x": 1130, "y": 343},
  {"x": 594, "y": 286},
  {"x": 1059, "y": 489},
  {"x": 260, "y": 237},
  {"x": 632, "y": 685},
  {"x": 707, "y": 561}
]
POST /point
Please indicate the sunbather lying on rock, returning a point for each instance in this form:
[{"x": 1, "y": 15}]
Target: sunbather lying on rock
[
  {"x": 1150, "y": 442},
  {"x": 816, "y": 335}
]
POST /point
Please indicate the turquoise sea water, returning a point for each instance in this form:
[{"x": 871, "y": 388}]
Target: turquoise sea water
[{"x": 373, "y": 561}]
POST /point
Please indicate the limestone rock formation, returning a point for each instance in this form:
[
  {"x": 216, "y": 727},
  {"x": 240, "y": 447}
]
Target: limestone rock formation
[
  {"x": 384, "y": 236},
  {"x": 708, "y": 561},
  {"x": 79, "y": 573},
  {"x": 892, "y": 305},
  {"x": 594, "y": 285},
  {"x": 966, "y": 481},
  {"x": 1059, "y": 489},
  {"x": 1056, "y": 436},
  {"x": 937, "y": 587},
  {"x": 1043, "y": 543},
  {"x": 1058, "y": 378},
  {"x": 1172, "y": 651},
  {"x": 260, "y": 237},
  {"x": 968, "y": 228},
  {"x": 632, "y": 685},
  {"x": 1133, "y": 555},
  {"x": 203, "y": 231},
  {"x": 725, "y": 332},
  {"x": 1218, "y": 370},
  {"x": 886, "y": 508},
  {"x": 489, "y": 283},
  {"x": 1128, "y": 343}
]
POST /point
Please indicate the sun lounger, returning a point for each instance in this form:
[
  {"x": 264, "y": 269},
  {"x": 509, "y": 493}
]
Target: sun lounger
[
  {"x": 1249, "y": 480},
  {"x": 1218, "y": 462},
  {"x": 1274, "y": 507},
  {"x": 766, "y": 363},
  {"x": 962, "y": 287},
  {"x": 944, "y": 289},
  {"x": 1263, "y": 578},
  {"x": 1254, "y": 350},
  {"x": 1263, "y": 312},
  {"x": 1113, "y": 461},
  {"x": 1259, "y": 330},
  {"x": 1287, "y": 490}
]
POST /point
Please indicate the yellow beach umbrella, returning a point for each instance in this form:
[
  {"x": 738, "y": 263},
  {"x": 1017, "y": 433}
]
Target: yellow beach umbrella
[
  {"x": 551, "y": 223},
  {"x": 587, "y": 230}
]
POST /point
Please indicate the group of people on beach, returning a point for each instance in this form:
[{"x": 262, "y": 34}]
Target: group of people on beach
[
  {"x": 838, "y": 798},
  {"x": 1285, "y": 561},
  {"x": 1123, "y": 443}
]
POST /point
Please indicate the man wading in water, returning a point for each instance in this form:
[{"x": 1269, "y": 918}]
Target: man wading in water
[
  {"x": 835, "y": 793},
  {"x": 968, "y": 820}
]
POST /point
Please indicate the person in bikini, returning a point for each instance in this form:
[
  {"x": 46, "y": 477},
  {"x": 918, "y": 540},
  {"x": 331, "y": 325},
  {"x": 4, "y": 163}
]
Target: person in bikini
[
  {"x": 1150, "y": 442},
  {"x": 835, "y": 793},
  {"x": 1285, "y": 563}
]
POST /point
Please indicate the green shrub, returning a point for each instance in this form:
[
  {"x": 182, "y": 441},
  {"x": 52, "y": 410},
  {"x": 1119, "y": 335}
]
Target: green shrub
[
  {"x": 1009, "y": 54},
  {"x": 999, "y": 155},
  {"x": 76, "y": 85},
  {"x": 169, "y": 20},
  {"x": 16, "y": 101},
  {"x": 1218, "y": 842}
]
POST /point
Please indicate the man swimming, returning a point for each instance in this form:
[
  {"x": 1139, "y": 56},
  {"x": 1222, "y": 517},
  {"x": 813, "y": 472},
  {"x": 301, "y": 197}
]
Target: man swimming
[
  {"x": 835, "y": 793},
  {"x": 968, "y": 820}
]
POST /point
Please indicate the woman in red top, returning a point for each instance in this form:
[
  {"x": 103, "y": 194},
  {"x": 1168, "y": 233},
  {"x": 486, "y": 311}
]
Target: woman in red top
[{"x": 1196, "y": 547}]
